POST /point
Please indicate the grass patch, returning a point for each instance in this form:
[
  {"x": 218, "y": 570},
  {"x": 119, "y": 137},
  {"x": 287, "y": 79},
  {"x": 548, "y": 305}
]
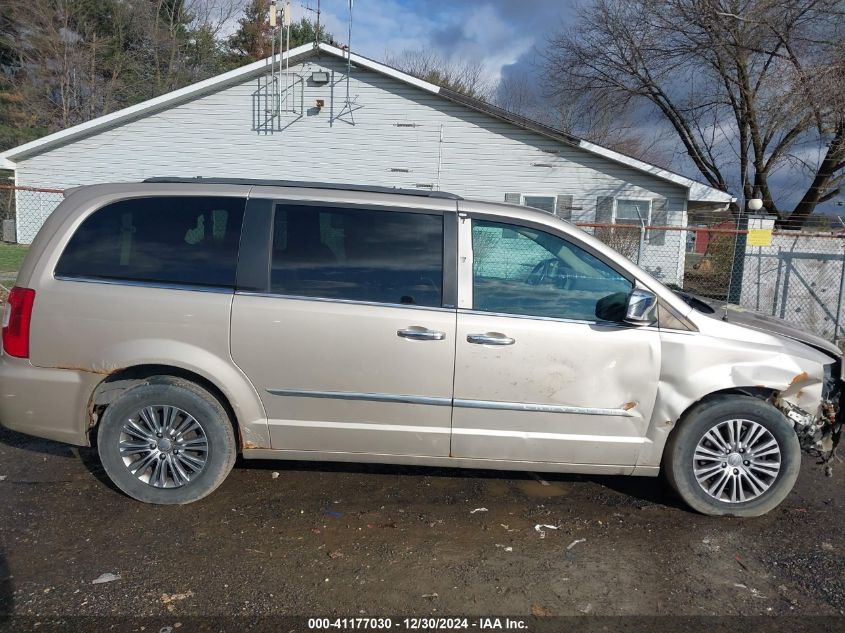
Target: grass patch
[
  {"x": 5, "y": 286},
  {"x": 11, "y": 256}
]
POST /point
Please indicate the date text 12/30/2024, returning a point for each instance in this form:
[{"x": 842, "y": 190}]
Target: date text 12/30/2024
[{"x": 418, "y": 624}]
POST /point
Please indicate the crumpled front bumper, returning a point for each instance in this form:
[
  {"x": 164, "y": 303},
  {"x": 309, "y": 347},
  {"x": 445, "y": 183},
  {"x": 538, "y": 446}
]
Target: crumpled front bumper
[{"x": 819, "y": 431}]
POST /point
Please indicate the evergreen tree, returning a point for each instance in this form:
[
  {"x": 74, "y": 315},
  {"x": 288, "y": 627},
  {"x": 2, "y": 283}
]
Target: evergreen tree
[{"x": 254, "y": 38}]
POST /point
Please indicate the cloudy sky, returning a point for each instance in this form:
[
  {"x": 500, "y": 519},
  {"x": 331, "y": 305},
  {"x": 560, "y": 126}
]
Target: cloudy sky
[{"x": 502, "y": 34}]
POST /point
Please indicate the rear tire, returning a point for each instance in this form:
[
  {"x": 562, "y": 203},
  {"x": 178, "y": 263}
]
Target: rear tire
[
  {"x": 168, "y": 441},
  {"x": 733, "y": 456}
]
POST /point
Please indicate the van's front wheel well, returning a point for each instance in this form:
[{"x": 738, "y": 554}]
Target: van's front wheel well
[
  {"x": 761, "y": 393},
  {"x": 119, "y": 381}
]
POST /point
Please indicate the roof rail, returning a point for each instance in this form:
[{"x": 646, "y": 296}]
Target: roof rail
[{"x": 257, "y": 182}]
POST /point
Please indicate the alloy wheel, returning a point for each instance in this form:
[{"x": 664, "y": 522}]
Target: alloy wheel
[
  {"x": 163, "y": 446},
  {"x": 736, "y": 461}
]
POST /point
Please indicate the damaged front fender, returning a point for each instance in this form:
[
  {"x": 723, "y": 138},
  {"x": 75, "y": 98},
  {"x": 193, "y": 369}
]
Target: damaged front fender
[
  {"x": 819, "y": 428},
  {"x": 804, "y": 383}
]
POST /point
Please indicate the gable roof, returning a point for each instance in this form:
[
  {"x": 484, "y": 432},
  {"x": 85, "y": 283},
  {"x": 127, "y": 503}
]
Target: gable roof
[{"x": 698, "y": 192}]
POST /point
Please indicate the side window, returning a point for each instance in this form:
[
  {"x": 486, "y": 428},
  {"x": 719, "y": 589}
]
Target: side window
[
  {"x": 358, "y": 254},
  {"x": 517, "y": 270},
  {"x": 180, "y": 240},
  {"x": 635, "y": 212}
]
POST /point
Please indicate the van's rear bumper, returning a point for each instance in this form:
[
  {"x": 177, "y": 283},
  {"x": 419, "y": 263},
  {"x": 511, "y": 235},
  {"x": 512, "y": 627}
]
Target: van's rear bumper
[{"x": 48, "y": 403}]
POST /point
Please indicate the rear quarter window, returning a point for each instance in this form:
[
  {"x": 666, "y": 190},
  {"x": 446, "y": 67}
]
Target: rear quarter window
[{"x": 173, "y": 240}]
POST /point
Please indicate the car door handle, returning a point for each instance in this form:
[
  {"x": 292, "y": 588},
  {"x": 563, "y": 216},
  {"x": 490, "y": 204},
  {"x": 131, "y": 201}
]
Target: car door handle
[
  {"x": 421, "y": 334},
  {"x": 490, "y": 339}
]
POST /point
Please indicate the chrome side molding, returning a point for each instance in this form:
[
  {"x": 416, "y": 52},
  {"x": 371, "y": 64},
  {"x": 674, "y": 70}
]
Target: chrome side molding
[
  {"x": 536, "y": 407},
  {"x": 368, "y": 397},
  {"x": 456, "y": 402}
]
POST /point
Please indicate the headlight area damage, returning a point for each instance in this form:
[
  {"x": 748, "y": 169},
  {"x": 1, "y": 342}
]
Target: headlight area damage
[{"x": 819, "y": 428}]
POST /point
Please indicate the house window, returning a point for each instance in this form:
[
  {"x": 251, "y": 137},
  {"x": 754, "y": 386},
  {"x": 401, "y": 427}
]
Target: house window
[
  {"x": 544, "y": 203},
  {"x": 632, "y": 211}
]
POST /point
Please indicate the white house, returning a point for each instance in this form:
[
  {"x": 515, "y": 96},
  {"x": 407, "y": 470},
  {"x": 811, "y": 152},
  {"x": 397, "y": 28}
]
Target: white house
[{"x": 305, "y": 117}]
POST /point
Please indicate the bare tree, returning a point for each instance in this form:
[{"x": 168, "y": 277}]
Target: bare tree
[
  {"x": 515, "y": 93},
  {"x": 55, "y": 56},
  {"x": 738, "y": 81},
  {"x": 466, "y": 77},
  {"x": 67, "y": 61},
  {"x": 173, "y": 29}
]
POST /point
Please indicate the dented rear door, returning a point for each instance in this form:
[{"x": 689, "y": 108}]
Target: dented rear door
[{"x": 539, "y": 376}]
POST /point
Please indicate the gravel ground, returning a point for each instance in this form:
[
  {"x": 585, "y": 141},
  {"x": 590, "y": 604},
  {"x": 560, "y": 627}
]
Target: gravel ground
[{"x": 284, "y": 538}]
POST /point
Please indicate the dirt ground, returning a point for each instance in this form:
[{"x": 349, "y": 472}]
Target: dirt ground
[{"x": 285, "y": 538}]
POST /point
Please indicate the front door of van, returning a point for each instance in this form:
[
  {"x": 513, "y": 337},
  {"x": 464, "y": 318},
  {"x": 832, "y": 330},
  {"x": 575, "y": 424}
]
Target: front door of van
[
  {"x": 545, "y": 370},
  {"x": 349, "y": 343}
]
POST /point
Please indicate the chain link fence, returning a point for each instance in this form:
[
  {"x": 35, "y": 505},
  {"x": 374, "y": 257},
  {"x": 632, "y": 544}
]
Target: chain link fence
[
  {"x": 25, "y": 209},
  {"x": 698, "y": 260},
  {"x": 798, "y": 276}
]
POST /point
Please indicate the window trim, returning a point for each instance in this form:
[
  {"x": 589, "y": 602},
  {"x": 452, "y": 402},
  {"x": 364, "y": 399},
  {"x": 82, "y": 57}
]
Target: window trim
[
  {"x": 274, "y": 295},
  {"x": 631, "y": 199},
  {"x": 161, "y": 285},
  {"x": 266, "y": 207},
  {"x": 465, "y": 294},
  {"x": 533, "y": 317}
]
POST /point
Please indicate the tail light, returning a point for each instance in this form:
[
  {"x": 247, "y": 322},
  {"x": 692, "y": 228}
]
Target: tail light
[{"x": 16, "y": 320}]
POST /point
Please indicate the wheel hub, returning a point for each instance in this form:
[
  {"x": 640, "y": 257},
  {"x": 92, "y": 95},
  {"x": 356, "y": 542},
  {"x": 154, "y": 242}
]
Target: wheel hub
[
  {"x": 736, "y": 461},
  {"x": 163, "y": 446}
]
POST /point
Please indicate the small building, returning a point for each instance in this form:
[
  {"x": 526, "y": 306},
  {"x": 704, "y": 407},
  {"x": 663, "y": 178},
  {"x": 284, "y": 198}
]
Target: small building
[
  {"x": 704, "y": 234},
  {"x": 315, "y": 114}
]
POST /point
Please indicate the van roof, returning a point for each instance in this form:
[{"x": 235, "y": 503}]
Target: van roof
[{"x": 305, "y": 185}]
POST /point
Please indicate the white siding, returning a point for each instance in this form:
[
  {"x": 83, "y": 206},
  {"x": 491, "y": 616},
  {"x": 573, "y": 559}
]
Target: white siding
[{"x": 214, "y": 135}]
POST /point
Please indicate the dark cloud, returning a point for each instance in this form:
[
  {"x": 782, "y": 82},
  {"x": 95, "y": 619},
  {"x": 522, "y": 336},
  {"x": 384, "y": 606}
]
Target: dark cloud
[
  {"x": 447, "y": 38},
  {"x": 490, "y": 27},
  {"x": 528, "y": 67},
  {"x": 524, "y": 15}
]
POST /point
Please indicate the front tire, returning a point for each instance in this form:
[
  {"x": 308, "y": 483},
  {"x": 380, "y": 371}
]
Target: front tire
[
  {"x": 166, "y": 442},
  {"x": 733, "y": 456}
]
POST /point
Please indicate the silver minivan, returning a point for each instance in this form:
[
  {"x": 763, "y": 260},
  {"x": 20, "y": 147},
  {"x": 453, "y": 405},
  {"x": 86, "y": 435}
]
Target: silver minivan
[{"x": 177, "y": 323}]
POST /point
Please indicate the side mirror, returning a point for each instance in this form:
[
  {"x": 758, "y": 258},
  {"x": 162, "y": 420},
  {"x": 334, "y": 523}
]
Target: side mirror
[{"x": 642, "y": 307}]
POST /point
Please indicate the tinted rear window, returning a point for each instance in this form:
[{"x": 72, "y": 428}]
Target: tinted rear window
[
  {"x": 358, "y": 254},
  {"x": 178, "y": 240}
]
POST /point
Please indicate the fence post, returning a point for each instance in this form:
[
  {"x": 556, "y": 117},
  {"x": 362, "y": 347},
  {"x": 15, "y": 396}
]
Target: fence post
[
  {"x": 839, "y": 298},
  {"x": 641, "y": 242},
  {"x": 738, "y": 263}
]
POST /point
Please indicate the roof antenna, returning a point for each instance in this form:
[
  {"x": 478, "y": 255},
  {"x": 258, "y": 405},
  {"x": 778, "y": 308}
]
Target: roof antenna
[
  {"x": 350, "y": 104},
  {"x": 277, "y": 94},
  {"x": 317, "y": 27},
  {"x": 349, "y": 53}
]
